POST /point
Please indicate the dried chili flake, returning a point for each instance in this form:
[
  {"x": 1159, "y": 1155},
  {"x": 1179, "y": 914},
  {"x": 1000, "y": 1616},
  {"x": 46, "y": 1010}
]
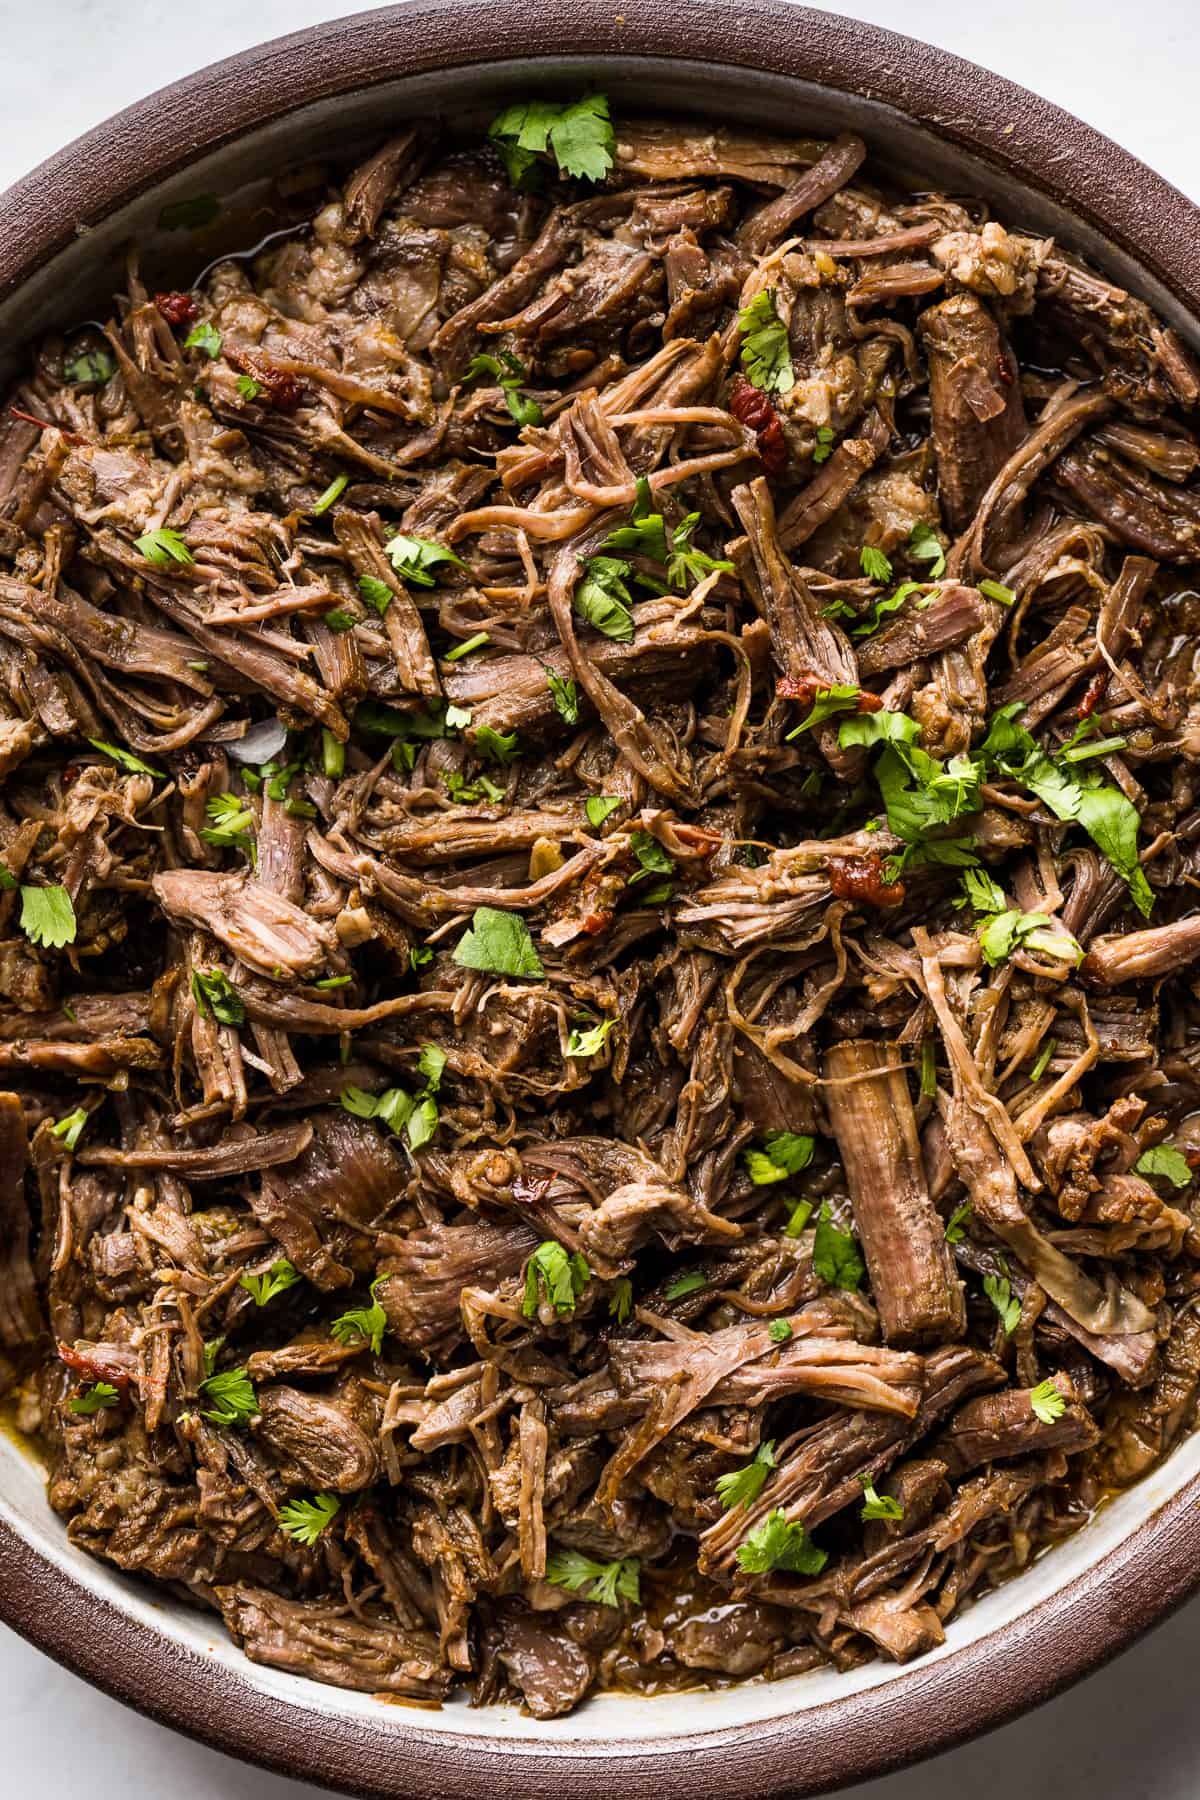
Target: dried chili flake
[
  {"x": 861, "y": 878},
  {"x": 176, "y": 308},
  {"x": 751, "y": 407}
]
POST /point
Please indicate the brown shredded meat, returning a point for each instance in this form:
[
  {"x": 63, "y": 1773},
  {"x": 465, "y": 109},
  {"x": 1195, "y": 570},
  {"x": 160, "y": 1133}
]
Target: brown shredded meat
[{"x": 598, "y": 840}]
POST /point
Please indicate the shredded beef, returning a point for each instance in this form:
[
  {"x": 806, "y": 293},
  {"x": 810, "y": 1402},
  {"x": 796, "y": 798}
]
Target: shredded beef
[{"x": 598, "y": 981}]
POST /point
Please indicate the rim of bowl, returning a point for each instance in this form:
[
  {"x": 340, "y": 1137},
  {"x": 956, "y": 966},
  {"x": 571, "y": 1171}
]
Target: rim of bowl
[{"x": 1157, "y": 1567}]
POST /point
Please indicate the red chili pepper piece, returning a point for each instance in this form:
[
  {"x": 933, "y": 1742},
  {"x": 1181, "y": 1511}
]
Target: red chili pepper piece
[
  {"x": 1093, "y": 694},
  {"x": 805, "y": 689},
  {"x": 282, "y": 390},
  {"x": 861, "y": 878},
  {"x": 176, "y": 309},
  {"x": 750, "y": 406},
  {"x": 95, "y": 1368},
  {"x": 597, "y": 922}
]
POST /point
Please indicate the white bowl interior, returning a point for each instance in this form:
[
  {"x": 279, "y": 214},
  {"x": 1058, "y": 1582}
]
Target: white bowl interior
[{"x": 77, "y": 279}]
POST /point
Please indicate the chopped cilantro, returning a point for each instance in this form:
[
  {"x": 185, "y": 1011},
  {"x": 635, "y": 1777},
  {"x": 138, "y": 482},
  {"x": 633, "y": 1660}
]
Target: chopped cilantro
[
  {"x": 305, "y": 1520},
  {"x": 163, "y": 547},
  {"x": 741, "y": 1487},
  {"x": 214, "y": 992},
  {"x": 603, "y": 599},
  {"x": 560, "y": 1277},
  {"x": 47, "y": 916},
  {"x": 205, "y": 337},
  {"x": 1168, "y": 1162},
  {"x": 278, "y": 1279},
  {"x": 779, "y": 1544},
  {"x": 362, "y": 1324},
  {"x": 1048, "y": 1404},
  {"x": 766, "y": 352},
  {"x": 607, "y": 1584},
  {"x": 579, "y": 137},
  {"x": 499, "y": 943},
  {"x": 835, "y": 1253}
]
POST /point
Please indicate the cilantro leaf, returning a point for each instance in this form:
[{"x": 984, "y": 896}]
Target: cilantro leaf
[
  {"x": 999, "y": 1291},
  {"x": 646, "y": 534},
  {"x": 1000, "y": 935},
  {"x": 162, "y": 548},
  {"x": 510, "y": 373},
  {"x": 90, "y": 366},
  {"x": 996, "y": 590},
  {"x": 579, "y": 137},
  {"x": 606, "y": 1583},
  {"x": 1109, "y": 818},
  {"x": 362, "y": 1324},
  {"x": 924, "y": 546},
  {"x": 741, "y": 1487},
  {"x": 1111, "y": 821},
  {"x": 785, "y": 1153},
  {"x": 824, "y": 444},
  {"x": 376, "y": 593},
  {"x": 499, "y": 943},
  {"x": 206, "y": 337},
  {"x": 565, "y": 696},
  {"x": 305, "y": 1520},
  {"x": 278, "y": 1279},
  {"x": 835, "y": 1253},
  {"x": 874, "y": 564},
  {"x": 416, "y": 558},
  {"x": 603, "y": 599},
  {"x": 779, "y": 1331},
  {"x": 1168, "y": 1162},
  {"x": 878, "y": 1506},
  {"x": 842, "y": 696},
  {"x": 778, "y": 1544},
  {"x": 561, "y": 1277},
  {"x": 598, "y": 807},
  {"x": 766, "y": 352},
  {"x": 582, "y": 139},
  {"x": 651, "y": 856},
  {"x": 981, "y": 892},
  {"x": 233, "y": 1397},
  {"x": 233, "y": 822},
  {"x": 248, "y": 388},
  {"x": 214, "y": 992},
  {"x": 47, "y": 916},
  {"x": 98, "y": 1398},
  {"x": 498, "y": 746},
  {"x": 791, "y": 1150},
  {"x": 590, "y": 1042},
  {"x": 1048, "y": 1404},
  {"x": 687, "y": 565},
  {"x": 882, "y": 609}
]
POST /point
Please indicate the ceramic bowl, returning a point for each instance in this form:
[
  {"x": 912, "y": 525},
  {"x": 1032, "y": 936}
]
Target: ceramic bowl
[{"x": 318, "y": 95}]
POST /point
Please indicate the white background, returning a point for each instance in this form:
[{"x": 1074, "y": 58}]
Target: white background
[{"x": 1132, "y": 1731}]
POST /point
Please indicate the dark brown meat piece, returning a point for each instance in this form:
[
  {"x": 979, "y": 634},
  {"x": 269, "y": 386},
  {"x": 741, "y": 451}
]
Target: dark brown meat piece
[
  {"x": 977, "y": 414},
  {"x": 20, "y": 1313},
  {"x": 903, "y": 1237},
  {"x": 308, "y": 1637}
]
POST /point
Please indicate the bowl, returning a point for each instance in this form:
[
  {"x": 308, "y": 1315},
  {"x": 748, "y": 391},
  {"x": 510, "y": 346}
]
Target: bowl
[{"x": 319, "y": 94}]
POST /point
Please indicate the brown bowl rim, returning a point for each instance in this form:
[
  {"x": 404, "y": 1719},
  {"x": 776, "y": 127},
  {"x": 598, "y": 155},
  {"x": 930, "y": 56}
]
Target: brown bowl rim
[{"x": 1157, "y": 1566}]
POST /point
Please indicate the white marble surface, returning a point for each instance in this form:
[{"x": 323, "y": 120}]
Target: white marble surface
[{"x": 1134, "y": 1729}]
